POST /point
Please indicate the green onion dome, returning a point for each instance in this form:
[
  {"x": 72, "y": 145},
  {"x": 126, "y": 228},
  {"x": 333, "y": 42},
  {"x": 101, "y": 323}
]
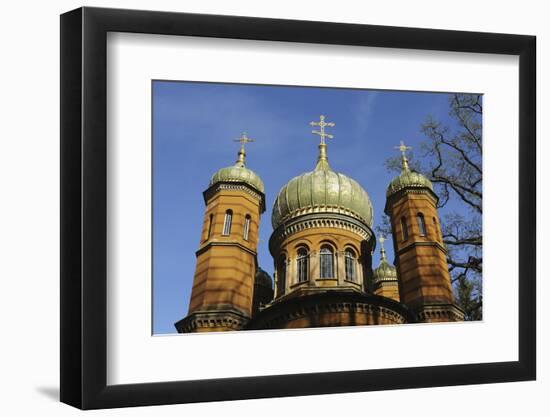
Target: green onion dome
[
  {"x": 385, "y": 271},
  {"x": 407, "y": 178},
  {"x": 238, "y": 173},
  {"x": 322, "y": 191}
]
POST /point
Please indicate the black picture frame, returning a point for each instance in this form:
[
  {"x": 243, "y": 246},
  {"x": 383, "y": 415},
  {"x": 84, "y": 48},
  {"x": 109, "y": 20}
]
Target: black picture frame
[{"x": 84, "y": 207}]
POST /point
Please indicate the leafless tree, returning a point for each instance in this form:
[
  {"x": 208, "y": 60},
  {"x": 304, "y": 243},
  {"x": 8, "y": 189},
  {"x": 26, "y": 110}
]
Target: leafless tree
[{"x": 451, "y": 157}]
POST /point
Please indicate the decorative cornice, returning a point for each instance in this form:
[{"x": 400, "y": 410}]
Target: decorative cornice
[
  {"x": 415, "y": 244},
  {"x": 235, "y": 185},
  {"x": 411, "y": 190},
  {"x": 318, "y": 220},
  {"x": 385, "y": 282},
  {"x": 207, "y": 246},
  {"x": 440, "y": 312},
  {"x": 277, "y": 314},
  {"x": 212, "y": 319}
]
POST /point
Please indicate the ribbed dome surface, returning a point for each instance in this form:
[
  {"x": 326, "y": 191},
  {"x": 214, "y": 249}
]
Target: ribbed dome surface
[
  {"x": 408, "y": 179},
  {"x": 238, "y": 173},
  {"x": 322, "y": 191},
  {"x": 385, "y": 272}
]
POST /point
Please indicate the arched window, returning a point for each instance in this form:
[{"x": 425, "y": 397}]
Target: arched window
[
  {"x": 351, "y": 262},
  {"x": 327, "y": 262},
  {"x": 281, "y": 275},
  {"x": 404, "y": 228},
  {"x": 302, "y": 264},
  {"x": 227, "y": 223},
  {"x": 421, "y": 224},
  {"x": 246, "y": 227},
  {"x": 210, "y": 226}
]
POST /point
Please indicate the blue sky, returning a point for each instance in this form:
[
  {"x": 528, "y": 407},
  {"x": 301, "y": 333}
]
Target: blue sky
[{"x": 194, "y": 125}]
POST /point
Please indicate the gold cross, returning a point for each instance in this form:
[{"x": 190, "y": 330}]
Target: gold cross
[
  {"x": 403, "y": 149},
  {"x": 321, "y": 132},
  {"x": 243, "y": 140}
]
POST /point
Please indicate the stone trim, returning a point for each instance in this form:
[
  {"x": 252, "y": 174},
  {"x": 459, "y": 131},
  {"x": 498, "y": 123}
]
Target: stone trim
[
  {"x": 349, "y": 302},
  {"x": 211, "y": 320},
  {"x": 318, "y": 220},
  {"x": 231, "y": 243},
  {"x": 429, "y": 243},
  {"x": 440, "y": 312},
  {"x": 335, "y": 307},
  {"x": 235, "y": 186},
  {"x": 385, "y": 283},
  {"x": 405, "y": 191}
]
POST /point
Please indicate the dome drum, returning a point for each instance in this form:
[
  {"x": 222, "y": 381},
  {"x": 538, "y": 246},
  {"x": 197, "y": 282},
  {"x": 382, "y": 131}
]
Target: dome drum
[{"x": 318, "y": 220}]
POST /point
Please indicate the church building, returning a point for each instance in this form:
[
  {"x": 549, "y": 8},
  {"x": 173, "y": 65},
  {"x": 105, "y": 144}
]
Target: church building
[{"x": 322, "y": 245}]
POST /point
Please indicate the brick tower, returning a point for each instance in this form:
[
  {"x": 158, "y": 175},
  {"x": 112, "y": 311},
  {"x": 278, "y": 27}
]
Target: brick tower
[
  {"x": 223, "y": 285},
  {"x": 420, "y": 255}
]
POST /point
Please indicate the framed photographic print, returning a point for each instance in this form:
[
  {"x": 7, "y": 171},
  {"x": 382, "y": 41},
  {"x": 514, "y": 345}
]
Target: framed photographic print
[{"x": 258, "y": 208}]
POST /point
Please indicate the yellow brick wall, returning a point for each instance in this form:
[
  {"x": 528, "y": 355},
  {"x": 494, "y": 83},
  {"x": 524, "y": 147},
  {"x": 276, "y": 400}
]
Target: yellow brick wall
[
  {"x": 421, "y": 260},
  {"x": 226, "y": 265}
]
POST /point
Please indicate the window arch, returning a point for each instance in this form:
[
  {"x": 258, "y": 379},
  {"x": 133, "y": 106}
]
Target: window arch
[
  {"x": 227, "y": 222},
  {"x": 404, "y": 229},
  {"x": 210, "y": 221},
  {"x": 246, "y": 228},
  {"x": 421, "y": 224},
  {"x": 327, "y": 262},
  {"x": 302, "y": 264},
  {"x": 351, "y": 265},
  {"x": 281, "y": 275}
]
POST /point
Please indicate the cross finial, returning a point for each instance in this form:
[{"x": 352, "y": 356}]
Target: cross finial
[
  {"x": 244, "y": 139},
  {"x": 322, "y": 160},
  {"x": 321, "y": 132},
  {"x": 382, "y": 239},
  {"x": 403, "y": 149}
]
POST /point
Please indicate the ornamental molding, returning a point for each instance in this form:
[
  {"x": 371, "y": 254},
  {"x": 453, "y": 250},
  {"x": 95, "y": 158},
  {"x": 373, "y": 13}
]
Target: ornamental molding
[
  {"x": 208, "y": 245},
  {"x": 385, "y": 281},
  {"x": 393, "y": 198},
  {"x": 416, "y": 244},
  {"x": 333, "y": 307},
  {"x": 320, "y": 208},
  {"x": 318, "y": 220},
  {"x": 440, "y": 312},
  {"x": 212, "y": 320},
  {"x": 234, "y": 186}
]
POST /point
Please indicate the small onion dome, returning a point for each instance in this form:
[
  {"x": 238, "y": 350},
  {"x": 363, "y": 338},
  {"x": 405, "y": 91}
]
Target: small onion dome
[
  {"x": 407, "y": 178},
  {"x": 238, "y": 172},
  {"x": 322, "y": 191},
  {"x": 385, "y": 271},
  {"x": 262, "y": 278}
]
